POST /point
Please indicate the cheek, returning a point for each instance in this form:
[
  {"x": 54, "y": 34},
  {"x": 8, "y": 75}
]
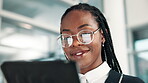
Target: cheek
[
  {"x": 96, "y": 45},
  {"x": 95, "y": 48},
  {"x": 65, "y": 51}
]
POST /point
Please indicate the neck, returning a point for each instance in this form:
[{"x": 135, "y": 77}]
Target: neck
[{"x": 91, "y": 67}]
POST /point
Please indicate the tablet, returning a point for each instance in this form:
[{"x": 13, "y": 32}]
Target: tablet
[{"x": 40, "y": 72}]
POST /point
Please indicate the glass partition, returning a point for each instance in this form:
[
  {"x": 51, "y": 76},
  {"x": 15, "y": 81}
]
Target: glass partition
[{"x": 141, "y": 52}]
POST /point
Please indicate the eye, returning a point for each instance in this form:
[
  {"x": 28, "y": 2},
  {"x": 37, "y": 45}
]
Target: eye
[
  {"x": 67, "y": 38},
  {"x": 85, "y": 34}
]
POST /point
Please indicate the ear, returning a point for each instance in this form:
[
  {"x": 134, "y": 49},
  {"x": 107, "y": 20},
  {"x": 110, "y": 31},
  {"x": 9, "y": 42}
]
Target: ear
[{"x": 102, "y": 36}]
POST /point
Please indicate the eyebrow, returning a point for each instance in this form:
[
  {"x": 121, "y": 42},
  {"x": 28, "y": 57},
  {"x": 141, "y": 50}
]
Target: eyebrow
[
  {"x": 84, "y": 25},
  {"x": 81, "y": 26}
]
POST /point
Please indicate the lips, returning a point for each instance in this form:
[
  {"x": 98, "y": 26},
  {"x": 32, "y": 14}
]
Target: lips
[{"x": 79, "y": 54}]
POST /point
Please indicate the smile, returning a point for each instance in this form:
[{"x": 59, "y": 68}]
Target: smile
[{"x": 79, "y": 54}]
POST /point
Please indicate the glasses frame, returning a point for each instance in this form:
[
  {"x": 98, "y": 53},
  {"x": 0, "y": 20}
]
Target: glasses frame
[{"x": 71, "y": 36}]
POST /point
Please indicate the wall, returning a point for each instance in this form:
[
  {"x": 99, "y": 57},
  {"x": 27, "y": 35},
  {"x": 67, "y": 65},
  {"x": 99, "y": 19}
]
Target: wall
[
  {"x": 137, "y": 12},
  {"x": 114, "y": 12}
]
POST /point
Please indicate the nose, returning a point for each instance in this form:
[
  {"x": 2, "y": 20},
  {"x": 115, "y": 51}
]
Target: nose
[{"x": 75, "y": 42}]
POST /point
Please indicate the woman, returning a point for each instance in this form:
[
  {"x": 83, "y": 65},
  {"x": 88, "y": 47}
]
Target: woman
[{"x": 86, "y": 39}]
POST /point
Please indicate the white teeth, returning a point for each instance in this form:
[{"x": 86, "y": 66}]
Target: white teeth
[{"x": 79, "y": 53}]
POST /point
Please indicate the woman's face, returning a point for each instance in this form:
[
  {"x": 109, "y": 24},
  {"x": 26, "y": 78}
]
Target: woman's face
[{"x": 87, "y": 56}]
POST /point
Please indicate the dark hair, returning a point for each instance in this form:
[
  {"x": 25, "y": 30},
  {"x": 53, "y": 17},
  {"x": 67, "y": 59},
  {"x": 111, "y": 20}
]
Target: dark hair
[{"x": 107, "y": 50}]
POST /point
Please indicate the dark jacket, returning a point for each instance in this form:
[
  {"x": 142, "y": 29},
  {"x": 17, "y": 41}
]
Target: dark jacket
[{"x": 114, "y": 77}]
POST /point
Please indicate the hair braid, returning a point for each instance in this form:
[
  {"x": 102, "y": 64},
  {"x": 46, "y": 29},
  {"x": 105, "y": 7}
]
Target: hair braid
[{"x": 112, "y": 60}]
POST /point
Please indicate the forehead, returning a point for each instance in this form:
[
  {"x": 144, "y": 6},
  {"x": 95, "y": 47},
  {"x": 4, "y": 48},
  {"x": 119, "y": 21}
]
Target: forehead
[{"x": 77, "y": 18}]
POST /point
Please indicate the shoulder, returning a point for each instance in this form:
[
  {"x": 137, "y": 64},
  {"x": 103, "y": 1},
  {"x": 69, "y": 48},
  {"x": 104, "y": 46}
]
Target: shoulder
[
  {"x": 131, "y": 79},
  {"x": 115, "y": 77}
]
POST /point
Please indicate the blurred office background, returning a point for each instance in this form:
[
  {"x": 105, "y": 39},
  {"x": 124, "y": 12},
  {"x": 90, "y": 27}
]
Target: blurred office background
[{"x": 29, "y": 29}]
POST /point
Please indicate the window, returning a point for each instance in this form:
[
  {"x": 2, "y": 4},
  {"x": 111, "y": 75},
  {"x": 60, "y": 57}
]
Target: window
[
  {"x": 29, "y": 28},
  {"x": 141, "y": 52}
]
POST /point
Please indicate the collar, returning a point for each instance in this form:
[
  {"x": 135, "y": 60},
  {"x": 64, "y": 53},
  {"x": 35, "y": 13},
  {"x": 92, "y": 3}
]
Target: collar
[{"x": 97, "y": 73}]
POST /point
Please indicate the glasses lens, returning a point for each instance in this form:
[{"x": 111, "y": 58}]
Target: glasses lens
[
  {"x": 85, "y": 36},
  {"x": 66, "y": 40}
]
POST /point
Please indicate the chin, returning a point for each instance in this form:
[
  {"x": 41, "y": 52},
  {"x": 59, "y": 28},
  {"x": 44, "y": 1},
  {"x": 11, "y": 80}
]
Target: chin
[{"x": 81, "y": 65}]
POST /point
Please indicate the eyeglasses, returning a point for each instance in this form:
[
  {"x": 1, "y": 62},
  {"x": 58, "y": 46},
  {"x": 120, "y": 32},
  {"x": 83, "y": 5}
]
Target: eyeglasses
[{"x": 83, "y": 36}]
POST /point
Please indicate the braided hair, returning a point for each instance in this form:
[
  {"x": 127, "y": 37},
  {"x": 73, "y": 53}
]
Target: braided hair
[{"x": 107, "y": 52}]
